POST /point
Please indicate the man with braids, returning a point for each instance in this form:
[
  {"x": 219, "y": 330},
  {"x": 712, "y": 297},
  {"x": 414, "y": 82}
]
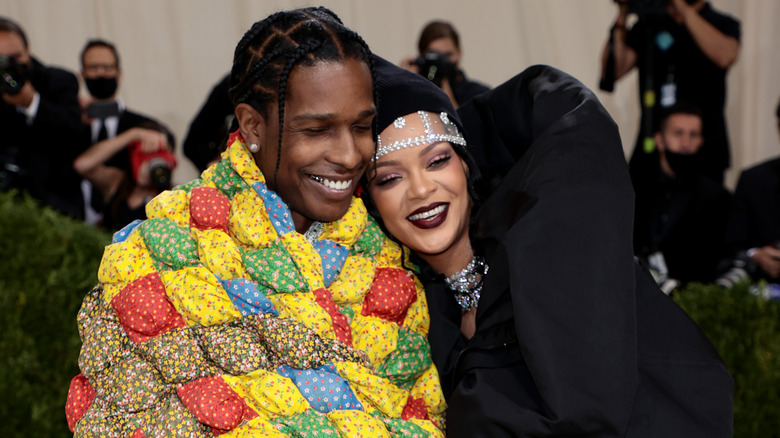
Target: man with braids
[{"x": 261, "y": 299}]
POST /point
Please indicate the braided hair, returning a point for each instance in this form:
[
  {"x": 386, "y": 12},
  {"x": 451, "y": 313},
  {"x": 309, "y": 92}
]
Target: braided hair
[{"x": 272, "y": 47}]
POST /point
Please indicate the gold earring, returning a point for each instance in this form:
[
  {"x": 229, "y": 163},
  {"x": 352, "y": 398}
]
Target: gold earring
[{"x": 254, "y": 148}]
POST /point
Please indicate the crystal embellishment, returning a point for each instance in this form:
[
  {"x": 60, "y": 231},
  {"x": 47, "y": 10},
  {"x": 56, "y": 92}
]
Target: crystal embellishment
[{"x": 428, "y": 137}]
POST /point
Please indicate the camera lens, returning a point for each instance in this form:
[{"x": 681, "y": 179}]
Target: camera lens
[{"x": 160, "y": 173}]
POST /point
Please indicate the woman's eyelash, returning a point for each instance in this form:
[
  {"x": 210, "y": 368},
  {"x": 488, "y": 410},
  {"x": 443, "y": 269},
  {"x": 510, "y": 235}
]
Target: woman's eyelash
[
  {"x": 385, "y": 180},
  {"x": 439, "y": 160}
]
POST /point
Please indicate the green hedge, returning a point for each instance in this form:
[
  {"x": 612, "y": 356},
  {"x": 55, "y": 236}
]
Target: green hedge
[
  {"x": 48, "y": 263},
  {"x": 745, "y": 329}
]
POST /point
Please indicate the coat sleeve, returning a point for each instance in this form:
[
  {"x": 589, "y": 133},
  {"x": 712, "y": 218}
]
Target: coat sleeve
[{"x": 560, "y": 211}]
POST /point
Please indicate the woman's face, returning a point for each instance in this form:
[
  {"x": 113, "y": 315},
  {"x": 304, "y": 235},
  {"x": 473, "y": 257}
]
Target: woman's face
[
  {"x": 421, "y": 192},
  {"x": 327, "y": 141}
]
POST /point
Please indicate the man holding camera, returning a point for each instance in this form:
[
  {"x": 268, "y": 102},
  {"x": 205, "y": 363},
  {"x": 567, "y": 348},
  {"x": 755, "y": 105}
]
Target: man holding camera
[
  {"x": 683, "y": 49},
  {"x": 39, "y": 125},
  {"x": 122, "y": 143},
  {"x": 439, "y": 61}
]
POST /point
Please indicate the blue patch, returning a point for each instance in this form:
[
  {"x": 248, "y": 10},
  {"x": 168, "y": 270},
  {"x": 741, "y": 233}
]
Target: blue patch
[
  {"x": 333, "y": 257},
  {"x": 278, "y": 212},
  {"x": 664, "y": 40},
  {"x": 323, "y": 388},
  {"x": 247, "y": 298},
  {"x": 124, "y": 233}
]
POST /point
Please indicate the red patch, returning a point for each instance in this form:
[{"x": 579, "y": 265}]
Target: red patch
[
  {"x": 209, "y": 209},
  {"x": 214, "y": 404},
  {"x": 80, "y": 396},
  {"x": 391, "y": 294},
  {"x": 340, "y": 323},
  {"x": 415, "y": 408},
  {"x": 144, "y": 309}
]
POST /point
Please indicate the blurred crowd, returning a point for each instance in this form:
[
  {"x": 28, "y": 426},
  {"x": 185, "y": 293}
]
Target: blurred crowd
[{"x": 91, "y": 157}]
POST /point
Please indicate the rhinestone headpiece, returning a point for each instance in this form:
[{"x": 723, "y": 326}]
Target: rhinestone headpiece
[{"x": 451, "y": 134}]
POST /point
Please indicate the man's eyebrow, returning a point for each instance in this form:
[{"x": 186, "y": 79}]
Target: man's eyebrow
[{"x": 326, "y": 116}]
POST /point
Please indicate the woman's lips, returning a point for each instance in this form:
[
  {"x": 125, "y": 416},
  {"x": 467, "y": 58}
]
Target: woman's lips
[{"x": 430, "y": 216}]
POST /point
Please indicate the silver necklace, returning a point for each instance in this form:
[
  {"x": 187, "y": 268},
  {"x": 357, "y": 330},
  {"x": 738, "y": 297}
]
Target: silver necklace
[{"x": 467, "y": 284}]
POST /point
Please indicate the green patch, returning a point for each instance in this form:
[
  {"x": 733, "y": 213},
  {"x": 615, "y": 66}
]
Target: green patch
[
  {"x": 272, "y": 268},
  {"x": 187, "y": 188},
  {"x": 227, "y": 180},
  {"x": 370, "y": 241},
  {"x": 170, "y": 245},
  {"x": 408, "y": 361},
  {"x": 309, "y": 423}
]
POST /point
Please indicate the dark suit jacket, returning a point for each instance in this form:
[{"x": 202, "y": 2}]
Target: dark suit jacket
[
  {"x": 685, "y": 219},
  {"x": 572, "y": 338},
  {"x": 45, "y": 150},
  {"x": 755, "y": 216}
]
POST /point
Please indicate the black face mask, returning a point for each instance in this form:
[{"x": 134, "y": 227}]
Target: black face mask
[
  {"x": 683, "y": 165},
  {"x": 13, "y": 75},
  {"x": 100, "y": 87}
]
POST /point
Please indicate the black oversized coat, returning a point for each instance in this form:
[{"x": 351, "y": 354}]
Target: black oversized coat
[{"x": 573, "y": 338}]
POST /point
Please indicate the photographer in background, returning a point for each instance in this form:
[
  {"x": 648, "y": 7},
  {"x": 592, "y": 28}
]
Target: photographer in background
[
  {"x": 439, "y": 60},
  {"x": 683, "y": 50},
  {"x": 754, "y": 225},
  {"x": 680, "y": 218},
  {"x": 117, "y": 183},
  {"x": 39, "y": 125},
  {"x": 127, "y": 189}
]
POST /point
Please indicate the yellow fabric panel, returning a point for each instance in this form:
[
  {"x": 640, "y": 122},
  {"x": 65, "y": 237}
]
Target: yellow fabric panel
[
  {"x": 428, "y": 390},
  {"x": 244, "y": 164},
  {"x": 391, "y": 254},
  {"x": 125, "y": 261},
  {"x": 268, "y": 393},
  {"x": 417, "y": 316},
  {"x": 172, "y": 204},
  {"x": 358, "y": 424},
  {"x": 370, "y": 389},
  {"x": 347, "y": 229},
  {"x": 198, "y": 296},
  {"x": 110, "y": 290},
  {"x": 429, "y": 427},
  {"x": 302, "y": 307},
  {"x": 354, "y": 282},
  {"x": 306, "y": 258},
  {"x": 219, "y": 253},
  {"x": 255, "y": 428},
  {"x": 374, "y": 335},
  {"x": 249, "y": 222}
]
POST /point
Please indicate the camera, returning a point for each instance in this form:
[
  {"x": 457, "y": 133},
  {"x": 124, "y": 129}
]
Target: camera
[
  {"x": 646, "y": 8},
  {"x": 12, "y": 174},
  {"x": 160, "y": 165},
  {"x": 13, "y": 75},
  {"x": 436, "y": 66}
]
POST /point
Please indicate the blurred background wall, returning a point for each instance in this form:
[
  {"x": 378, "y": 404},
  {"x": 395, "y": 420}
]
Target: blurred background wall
[{"x": 174, "y": 51}]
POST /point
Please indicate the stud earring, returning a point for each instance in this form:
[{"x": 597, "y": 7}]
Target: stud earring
[{"x": 254, "y": 148}]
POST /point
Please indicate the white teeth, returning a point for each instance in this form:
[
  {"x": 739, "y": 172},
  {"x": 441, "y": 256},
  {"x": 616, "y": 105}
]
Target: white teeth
[
  {"x": 427, "y": 214},
  {"x": 335, "y": 185}
]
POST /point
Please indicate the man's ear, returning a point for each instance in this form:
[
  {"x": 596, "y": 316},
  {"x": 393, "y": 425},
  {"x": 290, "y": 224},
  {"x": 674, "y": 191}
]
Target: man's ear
[
  {"x": 659, "y": 142},
  {"x": 250, "y": 123}
]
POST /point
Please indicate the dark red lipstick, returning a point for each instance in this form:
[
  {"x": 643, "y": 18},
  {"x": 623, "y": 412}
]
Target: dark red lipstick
[{"x": 432, "y": 221}]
